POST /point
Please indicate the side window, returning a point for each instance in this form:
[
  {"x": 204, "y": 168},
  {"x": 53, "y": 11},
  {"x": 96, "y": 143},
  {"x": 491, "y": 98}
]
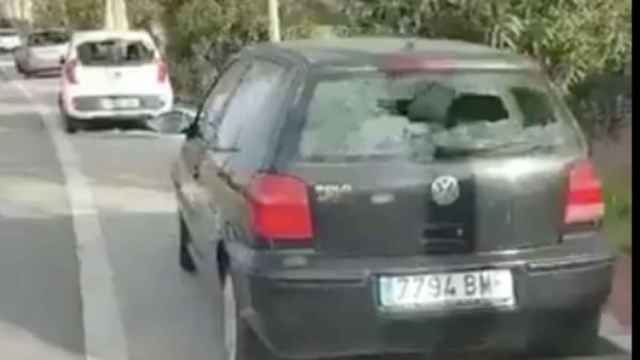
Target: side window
[
  {"x": 218, "y": 98},
  {"x": 250, "y": 103},
  {"x": 252, "y": 112},
  {"x": 534, "y": 105}
]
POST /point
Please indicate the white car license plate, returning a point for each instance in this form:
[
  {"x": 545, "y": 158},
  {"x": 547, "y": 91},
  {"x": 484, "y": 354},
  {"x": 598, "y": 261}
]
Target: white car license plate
[
  {"x": 490, "y": 288},
  {"x": 125, "y": 103}
]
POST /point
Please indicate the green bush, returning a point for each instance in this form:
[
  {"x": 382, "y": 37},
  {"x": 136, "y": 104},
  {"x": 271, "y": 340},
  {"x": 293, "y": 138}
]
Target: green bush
[
  {"x": 77, "y": 14},
  {"x": 85, "y": 14},
  {"x": 617, "y": 222},
  {"x": 203, "y": 34},
  {"x": 571, "y": 38},
  {"x": 48, "y": 13},
  {"x": 602, "y": 104}
]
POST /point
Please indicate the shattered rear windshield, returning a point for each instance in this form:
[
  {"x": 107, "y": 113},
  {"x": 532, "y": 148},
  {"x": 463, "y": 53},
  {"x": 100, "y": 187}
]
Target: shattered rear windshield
[
  {"x": 115, "y": 52},
  {"x": 422, "y": 116}
]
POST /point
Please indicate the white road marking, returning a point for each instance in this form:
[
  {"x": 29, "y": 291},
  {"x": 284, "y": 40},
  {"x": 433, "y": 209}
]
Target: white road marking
[
  {"x": 104, "y": 334},
  {"x": 623, "y": 341},
  {"x": 611, "y": 330}
]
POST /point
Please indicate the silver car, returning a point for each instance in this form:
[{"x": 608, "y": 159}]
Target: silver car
[{"x": 42, "y": 52}]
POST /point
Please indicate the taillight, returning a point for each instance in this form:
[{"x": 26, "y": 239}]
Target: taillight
[
  {"x": 584, "y": 200},
  {"x": 280, "y": 210},
  {"x": 163, "y": 71},
  {"x": 70, "y": 71}
]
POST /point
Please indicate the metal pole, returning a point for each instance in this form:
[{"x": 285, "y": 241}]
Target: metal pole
[{"x": 274, "y": 21}]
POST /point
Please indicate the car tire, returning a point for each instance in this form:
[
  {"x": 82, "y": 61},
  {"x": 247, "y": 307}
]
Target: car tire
[
  {"x": 186, "y": 260},
  {"x": 70, "y": 124},
  {"x": 240, "y": 342}
]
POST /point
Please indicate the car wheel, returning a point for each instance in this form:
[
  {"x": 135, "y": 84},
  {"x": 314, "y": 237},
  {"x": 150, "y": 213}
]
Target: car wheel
[
  {"x": 186, "y": 260},
  {"x": 70, "y": 125},
  {"x": 240, "y": 341}
]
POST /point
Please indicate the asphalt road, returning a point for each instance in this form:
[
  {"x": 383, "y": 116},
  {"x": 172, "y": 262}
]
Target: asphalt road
[
  {"x": 47, "y": 310},
  {"x": 165, "y": 314}
]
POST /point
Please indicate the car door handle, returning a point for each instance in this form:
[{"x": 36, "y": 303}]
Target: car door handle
[{"x": 196, "y": 172}]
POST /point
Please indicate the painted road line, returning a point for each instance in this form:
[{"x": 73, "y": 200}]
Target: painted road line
[
  {"x": 613, "y": 331},
  {"x": 104, "y": 334},
  {"x": 623, "y": 341}
]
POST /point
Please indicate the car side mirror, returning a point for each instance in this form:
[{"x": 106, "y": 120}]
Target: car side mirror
[{"x": 176, "y": 121}]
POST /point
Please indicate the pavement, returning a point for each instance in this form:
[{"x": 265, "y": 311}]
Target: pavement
[
  {"x": 617, "y": 318},
  {"x": 88, "y": 265}
]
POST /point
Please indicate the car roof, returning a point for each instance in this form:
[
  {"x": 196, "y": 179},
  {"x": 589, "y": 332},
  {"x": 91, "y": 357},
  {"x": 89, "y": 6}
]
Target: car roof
[
  {"x": 97, "y": 35},
  {"x": 370, "y": 51}
]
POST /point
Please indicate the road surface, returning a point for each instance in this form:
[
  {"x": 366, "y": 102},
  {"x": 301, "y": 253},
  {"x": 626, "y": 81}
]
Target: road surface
[{"x": 88, "y": 264}]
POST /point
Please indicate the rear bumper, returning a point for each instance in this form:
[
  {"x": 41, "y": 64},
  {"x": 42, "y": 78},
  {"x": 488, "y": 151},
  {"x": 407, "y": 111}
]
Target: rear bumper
[
  {"x": 330, "y": 308},
  {"x": 87, "y": 114},
  {"x": 40, "y": 65}
]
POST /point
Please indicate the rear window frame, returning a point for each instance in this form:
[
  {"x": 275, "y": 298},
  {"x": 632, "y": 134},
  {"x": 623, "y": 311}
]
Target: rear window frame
[
  {"x": 290, "y": 145},
  {"x": 39, "y": 33},
  {"x": 146, "y": 42}
]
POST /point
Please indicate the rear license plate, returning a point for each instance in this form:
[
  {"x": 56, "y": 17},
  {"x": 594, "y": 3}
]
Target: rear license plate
[
  {"x": 490, "y": 288},
  {"x": 126, "y": 103}
]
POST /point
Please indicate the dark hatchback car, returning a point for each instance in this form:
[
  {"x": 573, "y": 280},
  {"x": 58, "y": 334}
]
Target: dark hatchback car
[{"x": 390, "y": 196}]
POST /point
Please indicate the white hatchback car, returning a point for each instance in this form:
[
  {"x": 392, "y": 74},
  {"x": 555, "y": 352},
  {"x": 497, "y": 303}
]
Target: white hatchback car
[{"x": 114, "y": 76}]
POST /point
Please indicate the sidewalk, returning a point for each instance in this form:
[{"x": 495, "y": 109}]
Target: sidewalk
[{"x": 619, "y": 304}]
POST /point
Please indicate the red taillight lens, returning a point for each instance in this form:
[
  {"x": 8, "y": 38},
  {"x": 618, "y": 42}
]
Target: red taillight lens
[
  {"x": 411, "y": 63},
  {"x": 584, "y": 201},
  {"x": 163, "y": 71},
  {"x": 70, "y": 71},
  {"x": 280, "y": 208}
]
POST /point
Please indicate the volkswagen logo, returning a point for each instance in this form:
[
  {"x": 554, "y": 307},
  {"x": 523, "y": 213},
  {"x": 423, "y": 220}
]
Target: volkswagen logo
[{"x": 445, "y": 190}]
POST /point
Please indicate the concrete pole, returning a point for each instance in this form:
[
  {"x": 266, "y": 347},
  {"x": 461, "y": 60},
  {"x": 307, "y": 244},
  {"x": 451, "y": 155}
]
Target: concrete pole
[
  {"x": 274, "y": 21},
  {"x": 17, "y": 9},
  {"x": 116, "y": 15}
]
